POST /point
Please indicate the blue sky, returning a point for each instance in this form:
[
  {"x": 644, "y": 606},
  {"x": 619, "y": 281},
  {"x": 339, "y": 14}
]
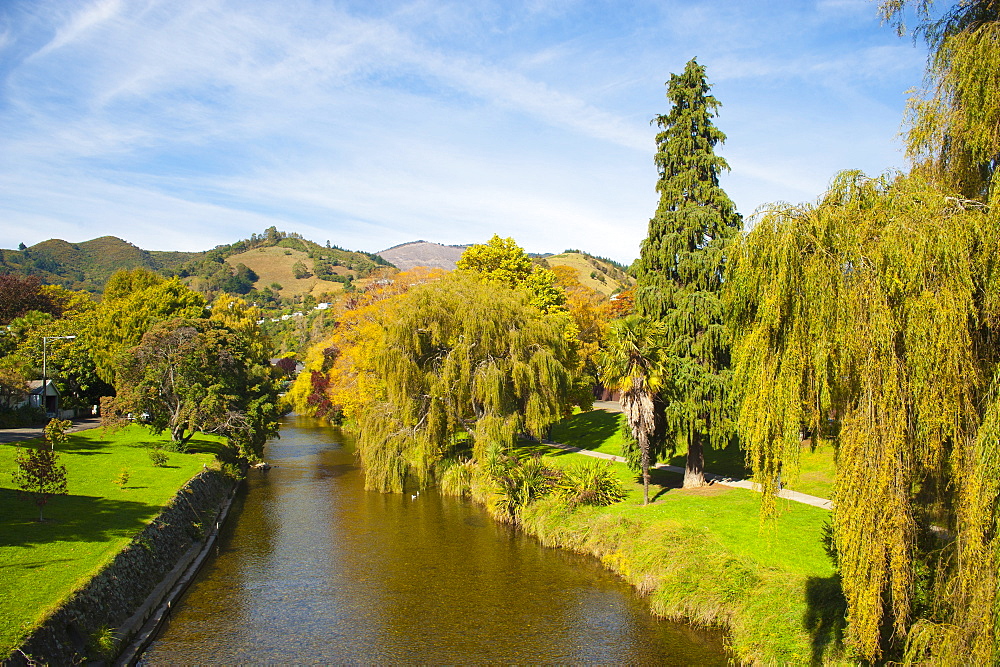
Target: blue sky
[{"x": 180, "y": 125}]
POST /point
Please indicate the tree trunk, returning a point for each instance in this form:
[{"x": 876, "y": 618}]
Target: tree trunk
[
  {"x": 644, "y": 445},
  {"x": 694, "y": 471}
]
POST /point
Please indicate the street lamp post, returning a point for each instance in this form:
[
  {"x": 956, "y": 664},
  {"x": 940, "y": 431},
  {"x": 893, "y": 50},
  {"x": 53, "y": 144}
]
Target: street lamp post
[{"x": 45, "y": 375}]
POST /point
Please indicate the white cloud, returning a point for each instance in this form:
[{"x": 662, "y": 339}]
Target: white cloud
[
  {"x": 200, "y": 122},
  {"x": 82, "y": 22}
]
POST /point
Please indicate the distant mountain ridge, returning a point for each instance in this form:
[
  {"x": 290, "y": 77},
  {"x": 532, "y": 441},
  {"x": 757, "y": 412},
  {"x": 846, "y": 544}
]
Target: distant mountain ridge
[
  {"x": 266, "y": 268},
  {"x": 412, "y": 254},
  {"x": 597, "y": 273}
]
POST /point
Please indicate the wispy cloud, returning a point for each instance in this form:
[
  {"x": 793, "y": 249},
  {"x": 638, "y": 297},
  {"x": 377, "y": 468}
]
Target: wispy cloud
[
  {"x": 183, "y": 123},
  {"x": 81, "y": 23}
]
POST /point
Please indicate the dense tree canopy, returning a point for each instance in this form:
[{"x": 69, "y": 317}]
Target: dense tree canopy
[
  {"x": 505, "y": 262},
  {"x": 133, "y": 302},
  {"x": 880, "y": 306},
  {"x": 954, "y": 125},
  {"x": 460, "y": 356},
  {"x": 189, "y": 376},
  {"x": 22, "y": 294},
  {"x": 680, "y": 269}
]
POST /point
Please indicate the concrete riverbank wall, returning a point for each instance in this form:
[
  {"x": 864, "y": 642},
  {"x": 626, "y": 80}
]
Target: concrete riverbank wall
[{"x": 123, "y": 595}]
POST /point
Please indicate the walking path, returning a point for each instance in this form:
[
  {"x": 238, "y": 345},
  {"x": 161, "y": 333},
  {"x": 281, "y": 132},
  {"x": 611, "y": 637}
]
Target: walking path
[
  {"x": 28, "y": 432},
  {"x": 614, "y": 406}
]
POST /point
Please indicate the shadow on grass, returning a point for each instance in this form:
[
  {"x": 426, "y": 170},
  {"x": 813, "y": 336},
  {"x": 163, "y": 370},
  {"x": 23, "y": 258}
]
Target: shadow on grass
[
  {"x": 525, "y": 448},
  {"x": 34, "y": 565},
  {"x": 70, "y": 518},
  {"x": 84, "y": 446},
  {"x": 826, "y": 616},
  {"x": 204, "y": 446},
  {"x": 587, "y": 430},
  {"x": 728, "y": 462},
  {"x": 661, "y": 482}
]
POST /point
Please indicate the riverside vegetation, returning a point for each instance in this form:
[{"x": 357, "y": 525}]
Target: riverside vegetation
[
  {"x": 702, "y": 554},
  {"x": 44, "y": 563},
  {"x": 869, "y": 318}
]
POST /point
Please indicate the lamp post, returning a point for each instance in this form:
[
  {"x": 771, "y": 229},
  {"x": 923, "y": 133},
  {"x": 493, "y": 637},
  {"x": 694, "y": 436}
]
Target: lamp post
[{"x": 45, "y": 376}]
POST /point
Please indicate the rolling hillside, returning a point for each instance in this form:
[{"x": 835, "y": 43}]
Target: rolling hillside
[
  {"x": 88, "y": 265},
  {"x": 596, "y": 273},
  {"x": 257, "y": 264}
]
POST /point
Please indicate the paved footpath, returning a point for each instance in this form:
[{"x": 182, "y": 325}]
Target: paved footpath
[
  {"x": 614, "y": 406},
  {"x": 28, "y": 432}
]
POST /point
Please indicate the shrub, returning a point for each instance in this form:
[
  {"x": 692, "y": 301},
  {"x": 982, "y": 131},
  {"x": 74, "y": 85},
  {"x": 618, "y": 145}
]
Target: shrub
[
  {"x": 103, "y": 642},
  {"x": 516, "y": 484},
  {"x": 158, "y": 457},
  {"x": 590, "y": 483},
  {"x": 39, "y": 476},
  {"x": 456, "y": 477},
  {"x": 22, "y": 416}
]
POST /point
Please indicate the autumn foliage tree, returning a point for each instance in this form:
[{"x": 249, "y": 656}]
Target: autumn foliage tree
[
  {"x": 953, "y": 123},
  {"x": 460, "y": 357},
  {"x": 503, "y": 261},
  {"x": 22, "y": 294}
]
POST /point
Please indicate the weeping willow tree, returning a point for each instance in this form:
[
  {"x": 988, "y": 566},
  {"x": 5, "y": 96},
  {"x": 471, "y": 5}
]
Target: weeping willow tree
[
  {"x": 955, "y": 124},
  {"x": 679, "y": 273},
  {"x": 880, "y": 306},
  {"x": 462, "y": 355}
]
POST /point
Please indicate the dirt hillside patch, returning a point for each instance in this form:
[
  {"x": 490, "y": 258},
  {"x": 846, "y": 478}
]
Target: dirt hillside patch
[
  {"x": 590, "y": 272},
  {"x": 274, "y": 265}
]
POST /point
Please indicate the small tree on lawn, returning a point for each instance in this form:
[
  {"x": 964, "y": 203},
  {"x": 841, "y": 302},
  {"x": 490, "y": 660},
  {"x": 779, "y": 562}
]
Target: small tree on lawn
[
  {"x": 55, "y": 432},
  {"x": 39, "y": 476}
]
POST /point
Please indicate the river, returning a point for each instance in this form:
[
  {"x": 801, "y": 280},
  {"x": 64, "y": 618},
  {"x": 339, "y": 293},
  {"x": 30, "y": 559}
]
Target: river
[{"x": 311, "y": 568}]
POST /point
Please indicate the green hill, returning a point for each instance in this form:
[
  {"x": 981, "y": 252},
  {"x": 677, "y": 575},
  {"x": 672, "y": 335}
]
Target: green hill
[
  {"x": 88, "y": 265},
  {"x": 301, "y": 264},
  {"x": 598, "y": 273}
]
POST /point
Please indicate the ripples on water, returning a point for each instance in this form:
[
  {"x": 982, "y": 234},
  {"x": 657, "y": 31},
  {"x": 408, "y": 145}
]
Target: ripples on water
[{"x": 314, "y": 569}]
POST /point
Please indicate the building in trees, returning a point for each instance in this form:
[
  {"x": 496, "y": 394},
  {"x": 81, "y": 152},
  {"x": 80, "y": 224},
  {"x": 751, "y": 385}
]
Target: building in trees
[{"x": 680, "y": 270}]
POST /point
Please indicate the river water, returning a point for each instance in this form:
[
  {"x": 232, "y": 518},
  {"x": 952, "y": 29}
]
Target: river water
[{"x": 311, "y": 568}]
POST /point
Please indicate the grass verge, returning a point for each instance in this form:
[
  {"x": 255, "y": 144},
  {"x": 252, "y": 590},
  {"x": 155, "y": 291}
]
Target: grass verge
[
  {"x": 41, "y": 564},
  {"x": 704, "y": 556},
  {"x": 602, "y": 431}
]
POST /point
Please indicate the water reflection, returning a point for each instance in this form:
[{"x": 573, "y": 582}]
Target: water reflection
[{"x": 316, "y": 569}]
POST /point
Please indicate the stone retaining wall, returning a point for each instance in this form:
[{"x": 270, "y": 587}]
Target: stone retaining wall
[{"x": 115, "y": 593}]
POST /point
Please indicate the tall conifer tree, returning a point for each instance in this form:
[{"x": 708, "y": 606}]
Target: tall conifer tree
[{"x": 679, "y": 272}]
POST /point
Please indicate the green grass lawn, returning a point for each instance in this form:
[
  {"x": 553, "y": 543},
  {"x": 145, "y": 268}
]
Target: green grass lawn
[
  {"x": 773, "y": 583},
  {"x": 42, "y": 563},
  {"x": 602, "y": 431}
]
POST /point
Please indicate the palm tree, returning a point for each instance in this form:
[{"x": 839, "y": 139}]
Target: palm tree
[{"x": 634, "y": 363}]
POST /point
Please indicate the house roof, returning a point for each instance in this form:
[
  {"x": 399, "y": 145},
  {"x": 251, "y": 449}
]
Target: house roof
[{"x": 35, "y": 387}]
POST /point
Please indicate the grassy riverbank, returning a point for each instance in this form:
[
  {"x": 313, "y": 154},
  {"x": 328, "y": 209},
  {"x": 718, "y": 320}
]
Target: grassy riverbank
[
  {"x": 43, "y": 563},
  {"x": 602, "y": 431},
  {"x": 703, "y": 555}
]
